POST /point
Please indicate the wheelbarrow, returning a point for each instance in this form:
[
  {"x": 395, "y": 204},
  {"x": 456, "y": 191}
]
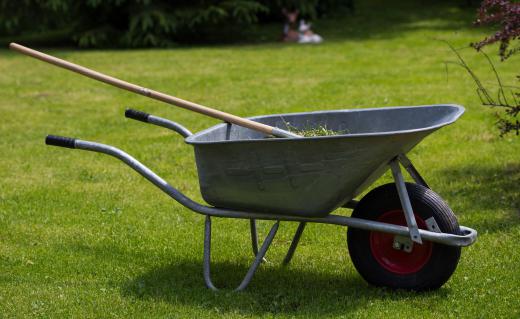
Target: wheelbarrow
[{"x": 400, "y": 235}]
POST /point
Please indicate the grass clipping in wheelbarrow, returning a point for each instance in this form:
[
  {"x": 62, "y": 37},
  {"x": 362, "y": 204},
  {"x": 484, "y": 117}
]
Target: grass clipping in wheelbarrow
[{"x": 320, "y": 130}]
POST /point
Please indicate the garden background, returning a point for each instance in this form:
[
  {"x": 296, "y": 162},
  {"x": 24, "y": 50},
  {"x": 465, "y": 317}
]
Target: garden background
[{"x": 82, "y": 235}]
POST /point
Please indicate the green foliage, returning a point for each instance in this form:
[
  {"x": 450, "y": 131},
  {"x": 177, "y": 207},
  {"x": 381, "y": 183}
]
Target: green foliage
[{"x": 143, "y": 23}]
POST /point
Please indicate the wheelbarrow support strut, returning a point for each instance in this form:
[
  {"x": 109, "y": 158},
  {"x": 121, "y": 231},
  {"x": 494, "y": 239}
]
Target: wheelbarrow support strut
[{"x": 405, "y": 201}]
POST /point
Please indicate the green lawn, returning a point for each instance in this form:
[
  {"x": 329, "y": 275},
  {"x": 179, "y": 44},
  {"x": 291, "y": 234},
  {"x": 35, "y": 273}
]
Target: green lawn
[{"x": 83, "y": 235}]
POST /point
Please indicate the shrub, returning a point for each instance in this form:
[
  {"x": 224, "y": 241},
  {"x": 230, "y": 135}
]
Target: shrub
[
  {"x": 144, "y": 23},
  {"x": 506, "y": 15}
]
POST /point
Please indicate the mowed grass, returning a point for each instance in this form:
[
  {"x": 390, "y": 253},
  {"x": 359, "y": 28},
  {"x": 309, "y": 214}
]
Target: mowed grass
[{"x": 83, "y": 235}]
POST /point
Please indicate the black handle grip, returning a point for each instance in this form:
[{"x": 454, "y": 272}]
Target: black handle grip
[
  {"x": 60, "y": 141},
  {"x": 137, "y": 115}
]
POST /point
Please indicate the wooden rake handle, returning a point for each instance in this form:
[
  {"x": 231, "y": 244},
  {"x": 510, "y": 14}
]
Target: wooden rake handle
[{"x": 226, "y": 117}]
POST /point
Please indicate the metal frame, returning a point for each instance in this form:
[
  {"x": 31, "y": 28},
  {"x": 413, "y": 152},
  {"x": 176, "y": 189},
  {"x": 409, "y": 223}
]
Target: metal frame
[
  {"x": 252, "y": 269},
  {"x": 405, "y": 201},
  {"x": 294, "y": 243},
  {"x": 402, "y": 233},
  {"x": 171, "y": 125},
  {"x": 412, "y": 171}
]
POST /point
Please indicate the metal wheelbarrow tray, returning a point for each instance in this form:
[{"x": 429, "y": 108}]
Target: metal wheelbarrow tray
[
  {"x": 241, "y": 169},
  {"x": 401, "y": 235}
]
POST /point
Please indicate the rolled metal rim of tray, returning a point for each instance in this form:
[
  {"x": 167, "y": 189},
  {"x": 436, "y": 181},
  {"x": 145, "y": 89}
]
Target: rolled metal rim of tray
[{"x": 458, "y": 113}]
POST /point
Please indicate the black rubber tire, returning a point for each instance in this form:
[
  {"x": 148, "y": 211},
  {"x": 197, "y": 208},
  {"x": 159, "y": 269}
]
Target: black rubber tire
[{"x": 425, "y": 203}]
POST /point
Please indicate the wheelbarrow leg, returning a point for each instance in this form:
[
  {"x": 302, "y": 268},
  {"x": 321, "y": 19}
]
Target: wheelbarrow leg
[
  {"x": 405, "y": 202},
  {"x": 294, "y": 243},
  {"x": 252, "y": 269},
  {"x": 254, "y": 238},
  {"x": 259, "y": 257},
  {"x": 207, "y": 254}
]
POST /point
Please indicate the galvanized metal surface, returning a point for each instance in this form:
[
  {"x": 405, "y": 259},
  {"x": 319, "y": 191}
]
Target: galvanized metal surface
[
  {"x": 467, "y": 238},
  {"x": 171, "y": 125},
  {"x": 403, "y": 243},
  {"x": 242, "y": 169},
  {"x": 294, "y": 244},
  {"x": 252, "y": 269},
  {"x": 431, "y": 225},
  {"x": 206, "y": 262},
  {"x": 405, "y": 202},
  {"x": 254, "y": 236},
  {"x": 410, "y": 168}
]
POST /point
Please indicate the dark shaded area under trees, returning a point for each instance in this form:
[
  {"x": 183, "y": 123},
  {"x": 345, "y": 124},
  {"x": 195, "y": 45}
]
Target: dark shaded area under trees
[
  {"x": 162, "y": 23},
  {"x": 145, "y": 23}
]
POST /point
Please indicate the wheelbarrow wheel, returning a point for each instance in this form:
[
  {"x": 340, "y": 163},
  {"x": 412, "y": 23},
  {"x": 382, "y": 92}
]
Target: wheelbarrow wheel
[{"x": 428, "y": 265}]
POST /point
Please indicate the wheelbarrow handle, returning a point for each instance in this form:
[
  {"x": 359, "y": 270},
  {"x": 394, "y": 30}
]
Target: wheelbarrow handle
[
  {"x": 61, "y": 141},
  {"x": 128, "y": 160},
  {"x": 156, "y": 120},
  {"x": 137, "y": 115}
]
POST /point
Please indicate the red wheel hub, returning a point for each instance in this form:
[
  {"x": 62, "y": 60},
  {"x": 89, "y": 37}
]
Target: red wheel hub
[{"x": 399, "y": 261}]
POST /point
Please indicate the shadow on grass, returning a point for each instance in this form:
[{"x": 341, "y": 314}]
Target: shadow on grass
[
  {"x": 275, "y": 290},
  {"x": 375, "y": 19},
  {"x": 384, "y": 20},
  {"x": 488, "y": 188}
]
